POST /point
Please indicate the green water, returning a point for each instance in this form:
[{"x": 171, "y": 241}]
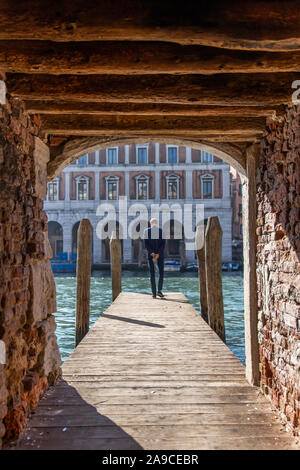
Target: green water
[{"x": 187, "y": 283}]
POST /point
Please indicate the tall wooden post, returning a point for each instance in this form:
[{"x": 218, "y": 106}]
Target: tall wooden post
[
  {"x": 182, "y": 254},
  {"x": 200, "y": 253},
  {"x": 213, "y": 267},
  {"x": 115, "y": 265},
  {"x": 83, "y": 274},
  {"x": 140, "y": 253}
]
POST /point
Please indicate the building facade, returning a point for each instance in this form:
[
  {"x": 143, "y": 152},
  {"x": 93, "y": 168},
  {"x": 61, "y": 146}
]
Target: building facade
[{"x": 151, "y": 173}]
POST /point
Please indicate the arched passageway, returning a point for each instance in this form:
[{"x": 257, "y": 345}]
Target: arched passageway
[
  {"x": 55, "y": 234},
  {"x": 108, "y": 229}
]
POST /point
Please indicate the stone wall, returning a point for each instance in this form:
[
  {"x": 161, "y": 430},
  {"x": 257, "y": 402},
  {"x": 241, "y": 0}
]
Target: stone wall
[
  {"x": 278, "y": 266},
  {"x": 27, "y": 289}
]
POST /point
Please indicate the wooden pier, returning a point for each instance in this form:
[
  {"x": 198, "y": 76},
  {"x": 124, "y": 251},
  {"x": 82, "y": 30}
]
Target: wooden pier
[{"x": 151, "y": 374}]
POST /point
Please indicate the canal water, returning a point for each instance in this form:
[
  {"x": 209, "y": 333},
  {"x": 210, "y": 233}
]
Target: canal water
[{"x": 133, "y": 281}]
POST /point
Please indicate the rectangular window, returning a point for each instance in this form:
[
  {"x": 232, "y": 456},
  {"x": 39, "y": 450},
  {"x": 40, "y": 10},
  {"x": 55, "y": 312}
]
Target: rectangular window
[
  {"x": 82, "y": 160},
  {"x": 112, "y": 157},
  {"x": 172, "y": 154},
  {"x": 112, "y": 190},
  {"x": 206, "y": 157},
  {"x": 142, "y": 187},
  {"x": 53, "y": 191},
  {"x": 207, "y": 189},
  {"x": 172, "y": 189},
  {"x": 82, "y": 191},
  {"x": 240, "y": 190},
  {"x": 142, "y": 155},
  {"x": 240, "y": 210}
]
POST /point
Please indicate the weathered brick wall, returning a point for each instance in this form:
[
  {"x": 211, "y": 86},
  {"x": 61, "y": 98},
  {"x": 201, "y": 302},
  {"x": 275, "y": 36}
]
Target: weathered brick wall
[
  {"x": 27, "y": 289},
  {"x": 278, "y": 266}
]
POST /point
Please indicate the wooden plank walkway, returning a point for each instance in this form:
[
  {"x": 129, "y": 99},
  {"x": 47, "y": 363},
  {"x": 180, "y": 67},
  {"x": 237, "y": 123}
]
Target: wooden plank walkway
[{"x": 151, "y": 374}]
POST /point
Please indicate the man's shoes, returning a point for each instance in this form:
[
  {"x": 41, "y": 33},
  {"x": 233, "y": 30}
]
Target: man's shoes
[
  {"x": 154, "y": 296},
  {"x": 160, "y": 294}
]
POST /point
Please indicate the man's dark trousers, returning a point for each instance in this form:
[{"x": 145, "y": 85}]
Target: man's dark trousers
[{"x": 160, "y": 264}]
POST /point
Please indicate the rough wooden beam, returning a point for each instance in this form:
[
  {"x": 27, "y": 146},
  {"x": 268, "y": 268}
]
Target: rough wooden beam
[
  {"x": 87, "y": 107},
  {"x": 99, "y": 125},
  {"x": 251, "y": 24},
  {"x": 222, "y": 89},
  {"x": 128, "y": 58}
]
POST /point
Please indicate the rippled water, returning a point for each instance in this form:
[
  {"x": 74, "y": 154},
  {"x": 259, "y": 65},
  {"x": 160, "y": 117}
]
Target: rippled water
[{"x": 139, "y": 282}]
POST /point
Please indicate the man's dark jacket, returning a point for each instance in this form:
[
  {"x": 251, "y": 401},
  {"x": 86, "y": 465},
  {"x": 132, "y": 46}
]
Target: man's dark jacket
[{"x": 154, "y": 242}]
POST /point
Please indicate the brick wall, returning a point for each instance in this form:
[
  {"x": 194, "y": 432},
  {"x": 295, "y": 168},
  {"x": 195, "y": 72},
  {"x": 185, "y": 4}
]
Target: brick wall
[
  {"x": 278, "y": 267},
  {"x": 27, "y": 289}
]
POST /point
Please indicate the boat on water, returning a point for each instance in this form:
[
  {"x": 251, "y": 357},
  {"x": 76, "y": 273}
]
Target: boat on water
[
  {"x": 172, "y": 266},
  {"x": 191, "y": 267},
  {"x": 232, "y": 266},
  {"x": 64, "y": 263}
]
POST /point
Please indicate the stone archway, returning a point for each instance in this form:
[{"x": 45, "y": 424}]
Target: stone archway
[{"x": 244, "y": 159}]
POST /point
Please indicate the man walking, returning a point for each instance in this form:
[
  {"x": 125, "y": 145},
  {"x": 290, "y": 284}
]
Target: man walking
[{"x": 155, "y": 245}]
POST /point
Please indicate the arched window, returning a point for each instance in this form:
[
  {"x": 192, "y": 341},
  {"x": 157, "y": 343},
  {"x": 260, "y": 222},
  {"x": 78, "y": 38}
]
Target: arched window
[
  {"x": 207, "y": 186},
  {"x": 142, "y": 187},
  {"x": 172, "y": 186},
  {"x": 112, "y": 187},
  {"x": 55, "y": 235},
  {"x": 53, "y": 190},
  {"x": 82, "y": 188}
]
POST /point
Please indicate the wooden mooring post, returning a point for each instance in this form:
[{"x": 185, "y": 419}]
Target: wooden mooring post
[
  {"x": 200, "y": 253},
  {"x": 83, "y": 277},
  {"x": 115, "y": 265},
  {"x": 213, "y": 269}
]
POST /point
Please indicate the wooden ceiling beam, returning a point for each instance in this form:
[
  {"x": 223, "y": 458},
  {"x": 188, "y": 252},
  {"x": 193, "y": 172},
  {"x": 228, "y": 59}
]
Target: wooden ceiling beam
[
  {"x": 221, "y": 89},
  {"x": 145, "y": 109},
  {"x": 251, "y": 24},
  {"x": 129, "y": 58},
  {"x": 101, "y": 125}
]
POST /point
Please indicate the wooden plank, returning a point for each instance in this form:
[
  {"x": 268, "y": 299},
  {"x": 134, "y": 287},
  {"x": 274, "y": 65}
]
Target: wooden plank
[
  {"x": 129, "y": 385},
  {"x": 101, "y": 125},
  {"x": 87, "y": 107},
  {"x": 219, "y": 89},
  {"x": 129, "y": 58},
  {"x": 256, "y": 25}
]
